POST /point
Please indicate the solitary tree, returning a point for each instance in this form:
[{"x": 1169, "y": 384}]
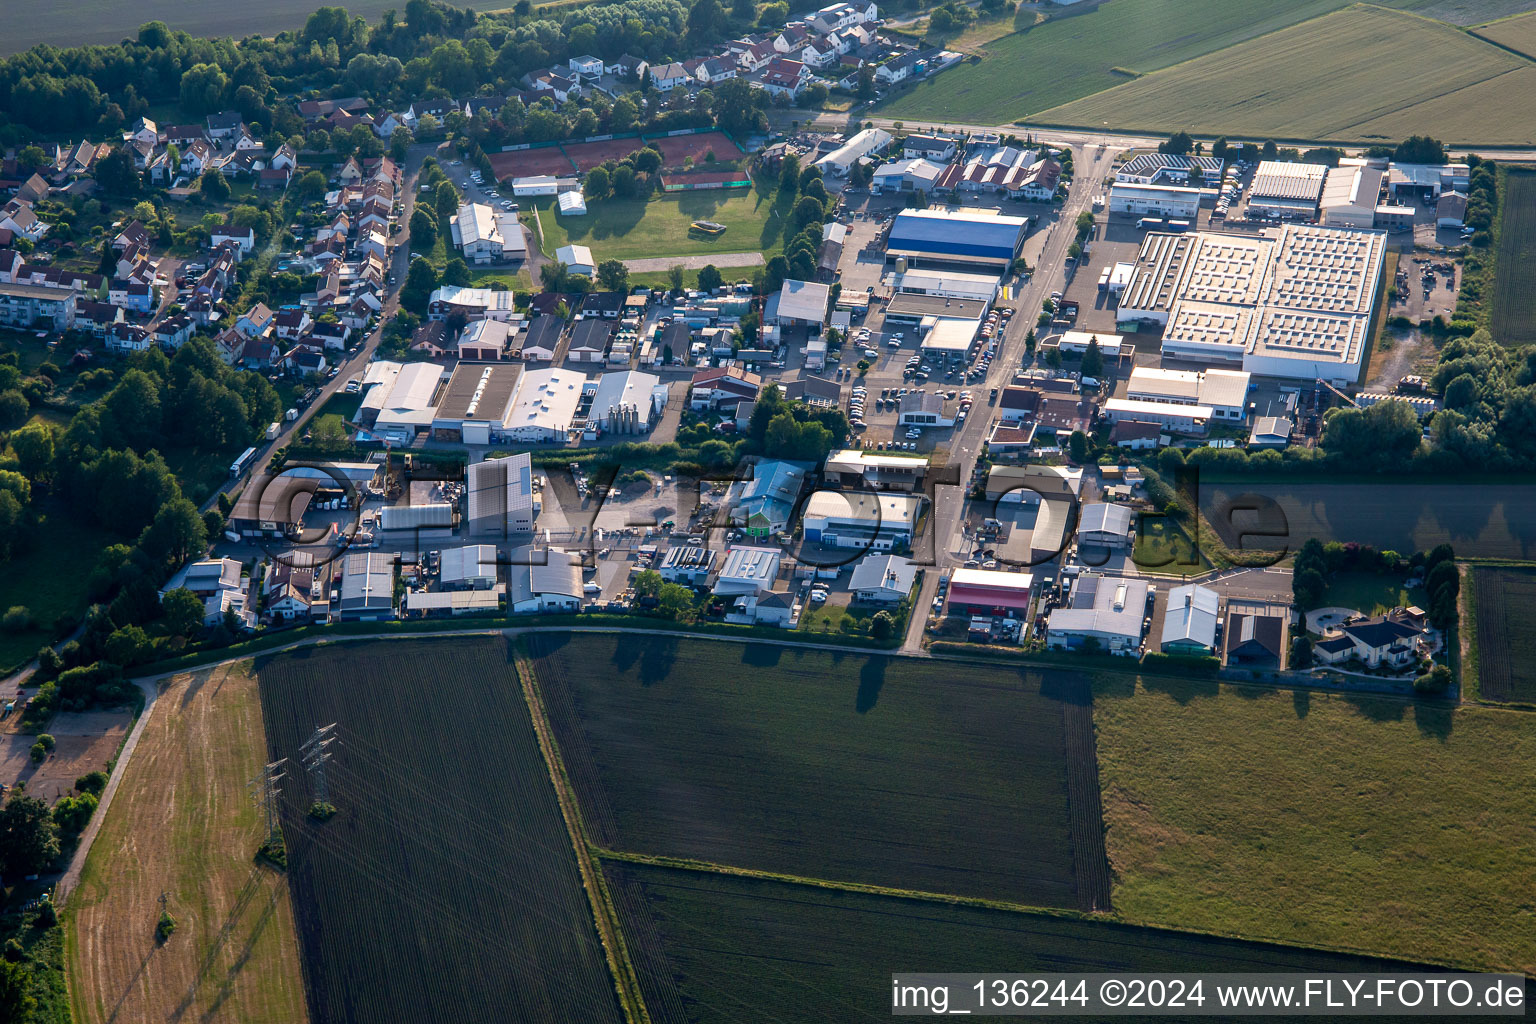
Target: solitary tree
[{"x": 1093, "y": 361}]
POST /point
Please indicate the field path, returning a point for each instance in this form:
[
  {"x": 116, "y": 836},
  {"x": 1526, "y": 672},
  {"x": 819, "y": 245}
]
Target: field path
[{"x": 724, "y": 259}]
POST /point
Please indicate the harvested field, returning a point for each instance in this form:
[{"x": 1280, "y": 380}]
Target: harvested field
[
  {"x": 891, "y": 771},
  {"x": 86, "y": 741},
  {"x": 1514, "y": 300},
  {"x": 1480, "y": 520},
  {"x": 675, "y": 149},
  {"x": 1373, "y": 824},
  {"x": 1321, "y": 79},
  {"x": 711, "y": 948},
  {"x": 183, "y": 823},
  {"x": 1462, "y": 12},
  {"x": 446, "y": 880},
  {"x": 1517, "y": 33},
  {"x": 1506, "y": 640},
  {"x": 587, "y": 155},
  {"x": 527, "y": 163}
]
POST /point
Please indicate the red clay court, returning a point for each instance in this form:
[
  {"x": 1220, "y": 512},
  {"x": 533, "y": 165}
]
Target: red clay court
[
  {"x": 677, "y": 148},
  {"x": 527, "y": 163},
  {"x": 588, "y": 155}
]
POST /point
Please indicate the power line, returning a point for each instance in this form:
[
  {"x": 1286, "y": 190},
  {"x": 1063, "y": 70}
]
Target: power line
[
  {"x": 264, "y": 790},
  {"x": 314, "y": 753}
]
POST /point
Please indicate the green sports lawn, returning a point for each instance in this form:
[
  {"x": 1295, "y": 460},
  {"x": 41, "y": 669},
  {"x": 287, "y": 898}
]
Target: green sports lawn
[
  {"x": 1342, "y": 76},
  {"x": 1357, "y": 823},
  {"x": 627, "y": 229},
  {"x": 1075, "y": 55}
]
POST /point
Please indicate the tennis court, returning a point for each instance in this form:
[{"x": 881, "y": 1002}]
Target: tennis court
[
  {"x": 526, "y": 163},
  {"x": 677, "y": 148},
  {"x": 587, "y": 155}
]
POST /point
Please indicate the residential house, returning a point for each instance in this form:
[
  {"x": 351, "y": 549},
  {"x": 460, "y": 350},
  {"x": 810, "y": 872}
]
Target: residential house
[
  {"x": 124, "y": 338},
  {"x": 174, "y": 331},
  {"x": 291, "y": 324},
  {"x": 882, "y": 579},
  {"x": 938, "y": 148},
  {"x": 587, "y": 66},
  {"x": 132, "y": 296},
  {"x": 783, "y": 77},
  {"x": 1378, "y": 642},
  {"x": 225, "y": 124},
  {"x": 666, "y": 77},
  {"x": 714, "y": 70},
  {"x": 96, "y": 317},
  {"x": 243, "y": 238},
  {"x": 19, "y": 219},
  {"x": 196, "y": 158},
  {"x": 721, "y": 388}
]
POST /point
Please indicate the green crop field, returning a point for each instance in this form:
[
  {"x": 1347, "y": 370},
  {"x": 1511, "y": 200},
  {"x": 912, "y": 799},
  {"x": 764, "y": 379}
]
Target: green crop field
[
  {"x": 890, "y": 771},
  {"x": 109, "y": 21},
  {"x": 1514, "y": 300},
  {"x": 1350, "y": 822},
  {"x": 1074, "y": 55},
  {"x": 641, "y": 228},
  {"x": 1506, "y": 642},
  {"x": 446, "y": 879},
  {"x": 711, "y": 948},
  {"x": 1328, "y": 78}
]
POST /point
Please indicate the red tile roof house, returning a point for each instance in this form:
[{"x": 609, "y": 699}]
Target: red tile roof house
[{"x": 723, "y": 388}]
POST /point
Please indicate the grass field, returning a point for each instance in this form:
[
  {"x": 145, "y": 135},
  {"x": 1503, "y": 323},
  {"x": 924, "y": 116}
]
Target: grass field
[
  {"x": 108, "y": 21},
  {"x": 1513, "y": 320},
  {"x": 47, "y": 575},
  {"x": 1481, "y": 520},
  {"x": 721, "y": 950},
  {"x": 641, "y": 228},
  {"x": 446, "y": 881},
  {"x": 1506, "y": 644},
  {"x": 1356, "y": 823},
  {"x": 1517, "y": 33},
  {"x": 1071, "y": 56},
  {"x": 881, "y": 770},
  {"x": 1163, "y": 547},
  {"x": 1328, "y": 78},
  {"x": 183, "y": 823},
  {"x": 1371, "y": 593}
]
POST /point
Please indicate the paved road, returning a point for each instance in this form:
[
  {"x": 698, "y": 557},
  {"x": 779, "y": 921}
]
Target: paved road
[
  {"x": 1089, "y": 166},
  {"x": 354, "y": 364}
]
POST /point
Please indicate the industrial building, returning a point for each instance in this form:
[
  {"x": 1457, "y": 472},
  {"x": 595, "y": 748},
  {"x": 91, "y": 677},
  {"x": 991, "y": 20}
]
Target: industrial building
[
  {"x": 1106, "y": 611},
  {"x": 545, "y": 406},
  {"x": 504, "y": 497},
  {"x": 802, "y": 304},
  {"x": 1173, "y": 417},
  {"x": 468, "y": 567},
  {"x": 688, "y": 564},
  {"x": 1293, "y": 303},
  {"x": 1286, "y": 189},
  {"x": 965, "y": 239},
  {"x": 1351, "y": 194},
  {"x": 543, "y": 580},
  {"x": 486, "y": 235},
  {"x": 747, "y": 570},
  {"x": 876, "y": 471},
  {"x": 1155, "y": 200},
  {"x": 577, "y": 259},
  {"x": 868, "y": 142},
  {"x": 1225, "y": 392},
  {"x": 473, "y": 303},
  {"x": 1162, "y": 168},
  {"x": 1189, "y": 621},
  {"x": 476, "y": 402},
  {"x": 949, "y": 284},
  {"x": 882, "y": 579},
  {"x": 861, "y": 519},
  {"x": 367, "y": 586},
  {"x": 914, "y": 174},
  {"x": 1105, "y": 524},
  {"x": 627, "y": 402},
  {"x": 762, "y": 506},
  {"x": 990, "y": 592}
]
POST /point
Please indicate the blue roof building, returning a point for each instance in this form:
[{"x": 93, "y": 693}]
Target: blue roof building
[{"x": 958, "y": 238}]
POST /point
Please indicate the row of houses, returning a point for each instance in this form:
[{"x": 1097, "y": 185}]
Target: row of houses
[{"x": 224, "y": 143}]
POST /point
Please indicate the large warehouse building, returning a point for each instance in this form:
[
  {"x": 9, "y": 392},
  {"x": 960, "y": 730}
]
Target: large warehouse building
[
  {"x": 1282, "y": 188},
  {"x": 1293, "y": 303},
  {"x": 965, "y": 239}
]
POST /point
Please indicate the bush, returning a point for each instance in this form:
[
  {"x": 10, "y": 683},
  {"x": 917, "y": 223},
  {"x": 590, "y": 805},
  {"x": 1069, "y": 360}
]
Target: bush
[
  {"x": 13, "y": 951},
  {"x": 165, "y": 927},
  {"x": 39, "y": 752},
  {"x": 93, "y": 783},
  {"x": 47, "y": 741},
  {"x": 1436, "y": 680},
  {"x": 16, "y": 619},
  {"x": 47, "y": 916}
]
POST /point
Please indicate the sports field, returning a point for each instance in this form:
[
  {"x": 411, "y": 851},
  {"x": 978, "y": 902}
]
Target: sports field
[
  {"x": 1514, "y": 300},
  {"x": 1334, "y": 77},
  {"x": 183, "y": 823},
  {"x": 1074, "y": 55},
  {"x": 711, "y": 949},
  {"x": 1506, "y": 641},
  {"x": 1361, "y": 823},
  {"x": 445, "y": 887},
  {"x": 661, "y": 226},
  {"x": 888, "y": 771}
]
